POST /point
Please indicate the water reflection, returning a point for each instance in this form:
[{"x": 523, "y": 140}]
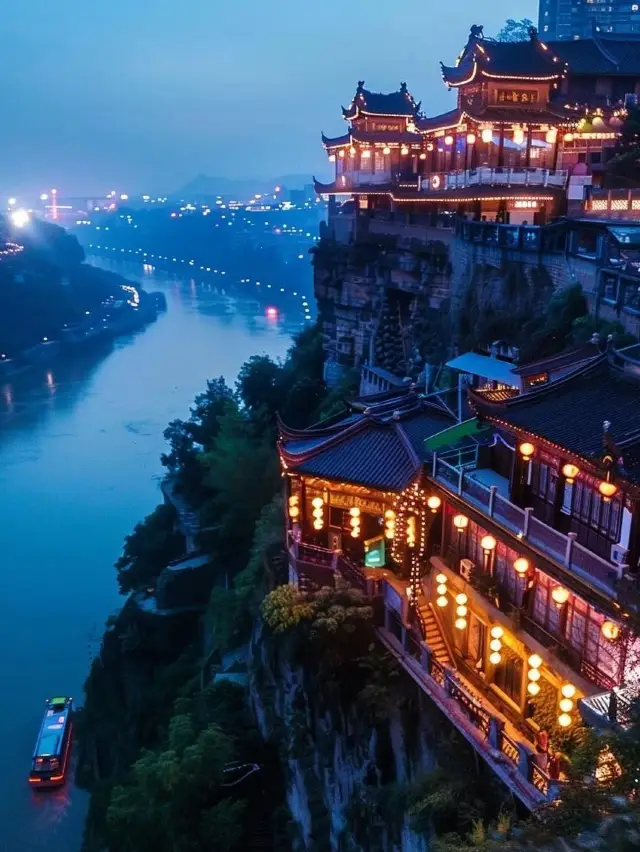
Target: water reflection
[{"x": 80, "y": 442}]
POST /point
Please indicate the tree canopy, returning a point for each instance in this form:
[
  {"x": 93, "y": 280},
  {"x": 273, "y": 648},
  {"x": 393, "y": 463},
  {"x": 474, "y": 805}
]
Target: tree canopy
[{"x": 515, "y": 30}]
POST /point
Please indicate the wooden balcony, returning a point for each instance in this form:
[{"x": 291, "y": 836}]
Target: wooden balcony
[
  {"x": 561, "y": 549},
  {"x": 485, "y": 176},
  {"x": 507, "y": 751}
]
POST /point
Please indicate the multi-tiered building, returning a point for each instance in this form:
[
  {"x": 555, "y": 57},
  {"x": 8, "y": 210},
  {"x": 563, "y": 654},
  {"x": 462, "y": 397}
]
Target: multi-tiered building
[
  {"x": 566, "y": 19},
  {"x": 526, "y": 114},
  {"x": 504, "y": 546}
]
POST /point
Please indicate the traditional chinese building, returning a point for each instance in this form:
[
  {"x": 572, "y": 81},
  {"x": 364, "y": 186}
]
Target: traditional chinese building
[
  {"x": 521, "y": 122},
  {"x": 504, "y": 548}
]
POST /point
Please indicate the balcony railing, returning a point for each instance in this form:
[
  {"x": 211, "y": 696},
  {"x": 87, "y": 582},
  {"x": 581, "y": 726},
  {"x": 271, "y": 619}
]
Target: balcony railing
[
  {"x": 562, "y": 549},
  {"x": 319, "y": 565},
  {"x": 486, "y": 176}
]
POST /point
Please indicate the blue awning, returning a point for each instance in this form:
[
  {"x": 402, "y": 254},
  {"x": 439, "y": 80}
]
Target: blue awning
[{"x": 485, "y": 367}]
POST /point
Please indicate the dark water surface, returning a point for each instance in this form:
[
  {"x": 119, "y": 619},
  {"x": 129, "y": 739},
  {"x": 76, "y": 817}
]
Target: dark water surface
[{"x": 79, "y": 466}]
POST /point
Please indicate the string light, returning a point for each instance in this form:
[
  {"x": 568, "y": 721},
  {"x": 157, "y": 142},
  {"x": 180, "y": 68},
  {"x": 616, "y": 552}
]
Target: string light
[
  {"x": 318, "y": 512},
  {"x": 441, "y": 580},
  {"x": 355, "y": 522},
  {"x": 390, "y": 523},
  {"x": 461, "y": 611},
  {"x": 496, "y": 645}
]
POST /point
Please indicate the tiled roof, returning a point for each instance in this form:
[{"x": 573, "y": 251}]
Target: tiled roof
[
  {"x": 571, "y": 412},
  {"x": 606, "y": 54},
  {"x": 400, "y": 103},
  {"x": 376, "y": 457},
  {"x": 557, "y": 362},
  {"x": 530, "y": 59},
  {"x": 370, "y": 138},
  {"x": 383, "y": 448}
]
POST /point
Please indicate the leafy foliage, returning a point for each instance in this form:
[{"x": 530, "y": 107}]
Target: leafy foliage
[
  {"x": 148, "y": 550},
  {"x": 624, "y": 167},
  {"x": 515, "y": 30}
]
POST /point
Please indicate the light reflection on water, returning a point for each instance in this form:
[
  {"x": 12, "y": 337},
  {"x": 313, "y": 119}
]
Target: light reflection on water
[{"x": 79, "y": 465}]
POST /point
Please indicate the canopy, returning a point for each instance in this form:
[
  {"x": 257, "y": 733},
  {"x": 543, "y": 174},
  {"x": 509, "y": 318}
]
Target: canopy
[{"x": 485, "y": 367}]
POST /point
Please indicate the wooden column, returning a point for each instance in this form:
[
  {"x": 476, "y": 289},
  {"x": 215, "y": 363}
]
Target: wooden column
[{"x": 528, "y": 154}]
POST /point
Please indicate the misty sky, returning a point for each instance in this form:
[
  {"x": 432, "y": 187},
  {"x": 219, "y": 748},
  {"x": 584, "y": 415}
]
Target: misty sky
[{"x": 140, "y": 95}]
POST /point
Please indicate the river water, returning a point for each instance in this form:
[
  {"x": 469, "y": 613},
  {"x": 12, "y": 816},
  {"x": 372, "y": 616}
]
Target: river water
[{"x": 79, "y": 466}]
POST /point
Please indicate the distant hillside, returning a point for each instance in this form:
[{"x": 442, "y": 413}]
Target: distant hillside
[{"x": 206, "y": 185}]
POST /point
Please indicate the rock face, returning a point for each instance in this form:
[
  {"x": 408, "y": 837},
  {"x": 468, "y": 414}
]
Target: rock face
[{"x": 336, "y": 762}]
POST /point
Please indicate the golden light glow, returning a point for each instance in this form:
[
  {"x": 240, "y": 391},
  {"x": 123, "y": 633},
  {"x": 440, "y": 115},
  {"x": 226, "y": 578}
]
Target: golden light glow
[
  {"x": 570, "y": 471},
  {"x": 461, "y": 599},
  {"x": 461, "y": 623},
  {"x": 566, "y": 705},
  {"x": 294, "y": 512},
  {"x": 564, "y": 720},
  {"x": 560, "y": 595},
  {"x": 441, "y": 578},
  {"x": 610, "y": 630},
  {"x": 552, "y": 136},
  {"x": 352, "y": 151},
  {"x": 608, "y": 490},
  {"x": 442, "y": 601},
  {"x": 535, "y": 661},
  {"x": 568, "y": 137},
  {"x": 534, "y": 675},
  {"x": 487, "y": 135},
  {"x": 521, "y": 566},
  {"x": 366, "y": 154},
  {"x": 434, "y": 503},
  {"x": 317, "y": 525},
  {"x": 430, "y": 147},
  {"x": 442, "y": 589},
  {"x": 495, "y": 644},
  {"x": 533, "y": 688},
  {"x": 461, "y": 522},
  {"x": 568, "y": 690},
  {"x": 495, "y": 658},
  {"x": 518, "y": 135},
  {"x": 404, "y": 150},
  {"x": 526, "y": 450},
  {"x": 386, "y": 150},
  {"x": 488, "y": 543},
  {"x": 448, "y": 140},
  {"x": 355, "y": 512},
  {"x": 471, "y": 138},
  {"x": 390, "y": 523},
  {"x": 317, "y": 502},
  {"x": 341, "y": 153},
  {"x": 497, "y": 632},
  {"x": 461, "y": 611},
  {"x": 423, "y": 156}
]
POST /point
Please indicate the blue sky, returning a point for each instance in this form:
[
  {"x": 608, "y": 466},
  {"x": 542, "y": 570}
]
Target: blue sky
[{"x": 144, "y": 94}]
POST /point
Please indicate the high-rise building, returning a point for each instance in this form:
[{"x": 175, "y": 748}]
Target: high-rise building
[{"x": 574, "y": 19}]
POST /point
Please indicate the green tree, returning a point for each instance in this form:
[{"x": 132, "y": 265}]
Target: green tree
[
  {"x": 148, "y": 550},
  {"x": 624, "y": 167},
  {"x": 515, "y": 30}
]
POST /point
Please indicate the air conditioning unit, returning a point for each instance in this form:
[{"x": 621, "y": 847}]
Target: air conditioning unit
[
  {"x": 466, "y": 568},
  {"x": 619, "y": 554}
]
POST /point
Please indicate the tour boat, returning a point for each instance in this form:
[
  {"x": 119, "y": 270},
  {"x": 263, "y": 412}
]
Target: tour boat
[{"x": 51, "y": 754}]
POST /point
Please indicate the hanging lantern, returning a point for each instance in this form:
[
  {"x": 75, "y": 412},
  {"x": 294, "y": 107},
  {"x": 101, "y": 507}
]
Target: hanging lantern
[
  {"x": 386, "y": 150},
  {"x": 552, "y": 136},
  {"x": 608, "y": 490},
  {"x": 568, "y": 690},
  {"x": 535, "y": 661},
  {"x": 442, "y": 578},
  {"x": 497, "y": 632},
  {"x": 570, "y": 471},
  {"x": 318, "y": 512},
  {"x": 533, "y": 689},
  {"x": 430, "y": 147},
  {"x": 534, "y": 675},
  {"x": 355, "y": 522},
  {"x": 461, "y": 522},
  {"x": 434, "y": 503},
  {"x": 461, "y": 611},
  {"x": 610, "y": 630},
  {"x": 332, "y": 158},
  {"x": 566, "y": 705},
  {"x": 461, "y": 623},
  {"x": 487, "y": 135},
  {"x": 518, "y": 135},
  {"x": 442, "y": 589},
  {"x": 390, "y": 523},
  {"x": 564, "y": 720},
  {"x": 423, "y": 156},
  {"x": 461, "y": 599},
  {"x": 488, "y": 543},
  {"x": 448, "y": 140},
  {"x": 526, "y": 450},
  {"x": 521, "y": 566},
  {"x": 560, "y": 595},
  {"x": 568, "y": 137},
  {"x": 352, "y": 151},
  {"x": 341, "y": 153},
  {"x": 495, "y": 659},
  {"x": 471, "y": 138},
  {"x": 411, "y": 531},
  {"x": 294, "y": 509},
  {"x": 404, "y": 150},
  {"x": 366, "y": 154}
]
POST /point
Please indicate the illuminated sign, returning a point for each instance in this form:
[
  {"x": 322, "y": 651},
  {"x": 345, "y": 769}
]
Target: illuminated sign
[
  {"x": 374, "y": 552},
  {"x": 525, "y": 205},
  {"x": 516, "y": 96}
]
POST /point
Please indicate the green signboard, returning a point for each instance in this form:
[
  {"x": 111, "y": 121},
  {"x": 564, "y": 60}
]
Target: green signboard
[{"x": 374, "y": 552}]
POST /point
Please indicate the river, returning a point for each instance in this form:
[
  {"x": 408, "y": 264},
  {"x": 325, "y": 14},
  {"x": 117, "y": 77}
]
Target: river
[{"x": 79, "y": 465}]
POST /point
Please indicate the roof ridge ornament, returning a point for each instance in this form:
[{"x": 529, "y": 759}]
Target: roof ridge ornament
[{"x": 477, "y": 31}]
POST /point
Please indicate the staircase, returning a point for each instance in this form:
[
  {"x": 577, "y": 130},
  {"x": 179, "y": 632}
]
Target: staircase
[{"x": 432, "y": 633}]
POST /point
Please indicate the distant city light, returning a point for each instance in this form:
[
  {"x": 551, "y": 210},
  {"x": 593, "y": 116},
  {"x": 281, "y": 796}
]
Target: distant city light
[
  {"x": 272, "y": 313},
  {"x": 12, "y": 201},
  {"x": 20, "y": 218},
  {"x": 124, "y": 197},
  {"x": 44, "y": 196}
]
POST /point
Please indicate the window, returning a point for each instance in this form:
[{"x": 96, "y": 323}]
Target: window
[
  {"x": 508, "y": 675},
  {"x": 379, "y": 161}
]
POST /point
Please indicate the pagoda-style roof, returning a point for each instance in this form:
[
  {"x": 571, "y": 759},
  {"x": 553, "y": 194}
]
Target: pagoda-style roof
[
  {"x": 410, "y": 192},
  {"x": 611, "y": 54},
  {"x": 577, "y": 356},
  {"x": 389, "y": 138},
  {"x": 394, "y": 104},
  {"x": 525, "y": 60},
  {"x": 551, "y": 114},
  {"x": 380, "y": 444},
  {"x": 570, "y": 414}
]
